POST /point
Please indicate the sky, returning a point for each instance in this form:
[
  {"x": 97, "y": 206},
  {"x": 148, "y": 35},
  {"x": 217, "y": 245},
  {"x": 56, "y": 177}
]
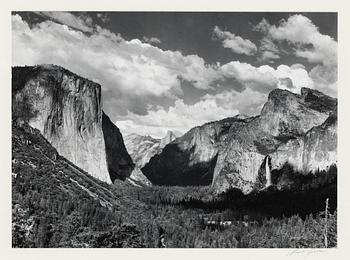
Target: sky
[{"x": 163, "y": 71}]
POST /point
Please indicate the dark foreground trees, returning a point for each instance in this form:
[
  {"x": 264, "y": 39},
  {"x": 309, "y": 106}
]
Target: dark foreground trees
[{"x": 55, "y": 204}]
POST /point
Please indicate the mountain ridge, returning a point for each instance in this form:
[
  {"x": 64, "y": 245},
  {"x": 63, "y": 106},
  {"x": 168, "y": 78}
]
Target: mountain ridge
[
  {"x": 67, "y": 109},
  {"x": 233, "y": 158}
]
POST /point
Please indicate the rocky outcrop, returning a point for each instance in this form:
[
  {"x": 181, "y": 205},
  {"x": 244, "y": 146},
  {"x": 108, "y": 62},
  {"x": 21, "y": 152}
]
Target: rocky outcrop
[
  {"x": 315, "y": 151},
  {"x": 142, "y": 149},
  {"x": 67, "y": 109},
  {"x": 232, "y": 152},
  {"x": 137, "y": 178},
  {"x": 191, "y": 158},
  {"x": 119, "y": 161},
  {"x": 168, "y": 138},
  {"x": 285, "y": 119}
]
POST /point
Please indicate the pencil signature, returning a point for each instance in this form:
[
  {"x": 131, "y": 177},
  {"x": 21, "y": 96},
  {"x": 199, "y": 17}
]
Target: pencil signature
[{"x": 305, "y": 253}]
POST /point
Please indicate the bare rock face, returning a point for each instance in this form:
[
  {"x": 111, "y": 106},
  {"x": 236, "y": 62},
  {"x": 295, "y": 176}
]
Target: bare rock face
[
  {"x": 296, "y": 129},
  {"x": 315, "y": 151},
  {"x": 288, "y": 114},
  {"x": 67, "y": 109},
  {"x": 142, "y": 149},
  {"x": 168, "y": 138},
  {"x": 137, "y": 178},
  {"x": 191, "y": 158},
  {"x": 289, "y": 126}
]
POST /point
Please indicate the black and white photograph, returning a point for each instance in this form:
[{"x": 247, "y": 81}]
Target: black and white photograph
[{"x": 174, "y": 129}]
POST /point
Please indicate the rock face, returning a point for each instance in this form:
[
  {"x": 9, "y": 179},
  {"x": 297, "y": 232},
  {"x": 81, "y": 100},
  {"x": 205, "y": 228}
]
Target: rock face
[
  {"x": 295, "y": 129},
  {"x": 316, "y": 150},
  {"x": 142, "y": 149},
  {"x": 289, "y": 125},
  {"x": 118, "y": 160},
  {"x": 191, "y": 158},
  {"x": 67, "y": 109},
  {"x": 168, "y": 138}
]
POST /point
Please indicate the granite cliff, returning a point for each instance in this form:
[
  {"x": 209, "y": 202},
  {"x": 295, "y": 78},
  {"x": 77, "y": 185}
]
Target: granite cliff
[
  {"x": 67, "y": 110},
  {"x": 314, "y": 151},
  {"x": 142, "y": 149},
  {"x": 285, "y": 120},
  {"x": 296, "y": 129},
  {"x": 191, "y": 158}
]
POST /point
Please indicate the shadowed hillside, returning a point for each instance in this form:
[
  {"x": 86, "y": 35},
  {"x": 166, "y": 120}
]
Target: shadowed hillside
[{"x": 56, "y": 204}]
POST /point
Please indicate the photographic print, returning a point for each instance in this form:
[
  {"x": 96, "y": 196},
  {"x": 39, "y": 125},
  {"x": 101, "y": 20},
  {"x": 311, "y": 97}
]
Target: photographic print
[{"x": 174, "y": 129}]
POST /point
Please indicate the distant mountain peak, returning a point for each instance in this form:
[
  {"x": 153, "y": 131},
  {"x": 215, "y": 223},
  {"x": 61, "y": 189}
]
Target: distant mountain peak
[{"x": 169, "y": 137}]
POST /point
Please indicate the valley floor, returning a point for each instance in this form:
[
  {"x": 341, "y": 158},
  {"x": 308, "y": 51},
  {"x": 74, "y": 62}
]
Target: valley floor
[
  {"x": 149, "y": 217},
  {"x": 196, "y": 217},
  {"x": 56, "y": 204}
]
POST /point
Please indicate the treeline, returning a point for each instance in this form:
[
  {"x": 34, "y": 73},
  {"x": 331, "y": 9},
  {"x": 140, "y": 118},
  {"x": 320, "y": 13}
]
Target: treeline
[
  {"x": 304, "y": 194},
  {"x": 269, "y": 218},
  {"x": 55, "y": 204},
  {"x": 46, "y": 216},
  {"x": 292, "y": 232}
]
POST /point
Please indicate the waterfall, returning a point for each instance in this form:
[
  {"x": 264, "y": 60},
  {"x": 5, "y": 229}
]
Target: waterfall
[{"x": 267, "y": 171}]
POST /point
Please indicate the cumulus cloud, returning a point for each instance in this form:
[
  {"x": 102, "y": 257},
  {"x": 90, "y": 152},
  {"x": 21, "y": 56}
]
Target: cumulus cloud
[
  {"x": 325, "y": 78},
  {"x": 310, "y": 44},
  {"x": 142, "y": 84},
  {"x": 292, "y": 78},
  {"x": 268, "y": 51},
  {"x": 233, "y": 100},
  {"x": 125, "y": 69},
  {"x": 180, "y": 117},
  {"x": 265, "y": 78},
  {"x": 250, "y": 76},
  {"x": 300, "y": 30},
  {"x": 132, "y": 72},
  {"x": 286, "y": 83},
  {"x": 297, "y": 66},
  {"x": 82, "y": 23},
  {"x": 236, "y": 43},
  {"x": 151, "y": 40},
  {"x": 269, "y": 56},
  {"x": 263, "y": 26},
  {"x": 257, "y": 82}
]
